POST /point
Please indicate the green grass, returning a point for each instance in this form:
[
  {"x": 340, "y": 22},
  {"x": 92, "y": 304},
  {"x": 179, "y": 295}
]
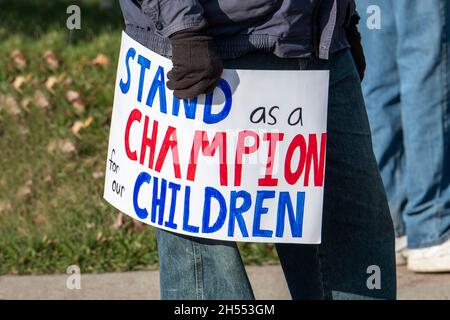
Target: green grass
[{"x": 52, "y": 214}]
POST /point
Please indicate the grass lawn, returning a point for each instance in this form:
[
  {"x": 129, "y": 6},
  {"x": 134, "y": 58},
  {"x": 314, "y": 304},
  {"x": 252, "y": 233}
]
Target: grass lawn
[{"x": 56, "y": 92}]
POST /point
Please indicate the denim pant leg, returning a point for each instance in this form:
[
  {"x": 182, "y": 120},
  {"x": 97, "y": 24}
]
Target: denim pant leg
[
  {"x": 381, "y": 88},
  {"x": 357, "y": 231},
  {"x": 423, "y": 29},
  {"x": 200, "y": 269}
]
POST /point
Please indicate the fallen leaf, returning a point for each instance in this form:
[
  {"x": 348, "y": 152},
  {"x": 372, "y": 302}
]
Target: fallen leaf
[
  {"x": 25, "y": 190},
  {"x": 88, "y": 121},
  {"x": 78, "y": 125},
  {"x": 67, "y": 146},
  {"x": 64, "y": 146},
  {"x": 51, "y": 59},
  {"x": 50, "y": 83},
  {"x": 68, "y": 81},
  {"x": 98, "y": 175},
  {"x": 119, "y": 221},
  {"x": 23, "y": 130},
  {"x": 25, "y": 103},
  {"x": 75, "y": 98},
  {"x": 19, "y": 59},
  {"x": 90, "y": 225},
  {"x": 4, "y": 206},
  {"x": 39, "y": 219},
  {"x": 40, "y": 99},
  {"x": 137, "y": 245},
  {"x": 79, "y": 107},
  {"x": 100, "y": 60},
  {"x": 99, "y": 236},
  {"x": 9, "y": 103},
  {"x": 72, "y": 96},
  {"x": 18, "y": 82},
  {"x": 52, "y": 145}
]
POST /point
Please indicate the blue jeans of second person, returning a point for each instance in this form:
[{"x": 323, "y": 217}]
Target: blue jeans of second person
[
  {"x": 357, "y": 233},
  {"x": 407, "y": 97}
]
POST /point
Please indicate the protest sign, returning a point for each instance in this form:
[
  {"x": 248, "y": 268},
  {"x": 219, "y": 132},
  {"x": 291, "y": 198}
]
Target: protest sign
[{"x": 244, "y": 163}]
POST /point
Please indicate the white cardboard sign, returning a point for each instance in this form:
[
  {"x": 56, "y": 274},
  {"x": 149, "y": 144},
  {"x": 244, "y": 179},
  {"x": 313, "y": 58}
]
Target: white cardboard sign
[{"x": 245, "y": 163}]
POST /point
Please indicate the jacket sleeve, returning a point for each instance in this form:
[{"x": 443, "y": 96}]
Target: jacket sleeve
[{"x": 170, "y": 16}]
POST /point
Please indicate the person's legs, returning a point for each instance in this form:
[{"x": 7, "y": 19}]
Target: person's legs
[
  {"x": 356, "y": 258},
  {"x": 423, "y": 60},
  {"x": 381, "y": 88},
  {"x": 357, "y": 228},
  {"x": 196, "y": 269}
]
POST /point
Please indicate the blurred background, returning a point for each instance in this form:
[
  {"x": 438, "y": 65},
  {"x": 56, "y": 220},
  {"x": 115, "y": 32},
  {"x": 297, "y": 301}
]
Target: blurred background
[{"x": 56, "y": 95}]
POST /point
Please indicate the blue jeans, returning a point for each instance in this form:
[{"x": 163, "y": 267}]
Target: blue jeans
[
  {"x": 407, "y": 97},
  {"x": 357, "y": 227}
]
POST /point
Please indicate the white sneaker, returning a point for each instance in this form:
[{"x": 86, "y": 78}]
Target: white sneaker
[
  {"x": 400, "y": 251},
  {"x": 432, "y": 259}
]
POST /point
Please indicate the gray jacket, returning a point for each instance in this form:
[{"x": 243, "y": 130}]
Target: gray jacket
[{"x": 288, "y": 28}]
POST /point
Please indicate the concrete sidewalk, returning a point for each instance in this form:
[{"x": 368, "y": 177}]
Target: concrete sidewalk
[{"x": 268, "y": 283}]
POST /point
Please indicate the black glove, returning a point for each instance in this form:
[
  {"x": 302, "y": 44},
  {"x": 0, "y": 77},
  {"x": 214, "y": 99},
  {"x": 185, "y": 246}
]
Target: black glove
[
  {"x": 354, "y": 38},
  {"x": 197, "y": 66}
]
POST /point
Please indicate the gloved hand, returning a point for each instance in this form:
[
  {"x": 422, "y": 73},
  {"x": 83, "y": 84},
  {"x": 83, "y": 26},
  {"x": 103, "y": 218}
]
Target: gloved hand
[
  {"x": 354, "y": 38},
  {"x": 197, "y": 66}
]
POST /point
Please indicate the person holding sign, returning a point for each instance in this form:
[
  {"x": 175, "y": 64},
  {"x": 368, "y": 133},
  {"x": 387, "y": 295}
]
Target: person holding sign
[{"x": 204, "y": 38}]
